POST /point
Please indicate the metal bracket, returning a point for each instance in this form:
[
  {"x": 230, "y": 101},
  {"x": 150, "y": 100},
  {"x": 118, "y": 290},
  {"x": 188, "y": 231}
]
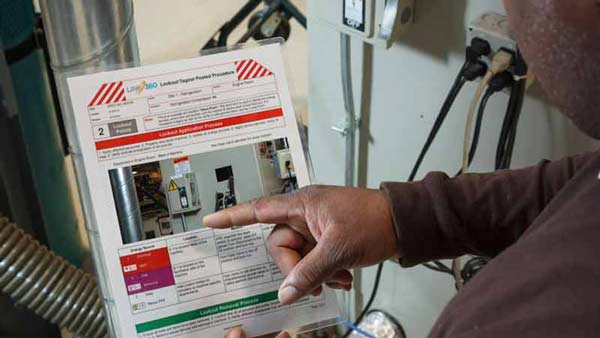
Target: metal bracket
[
  {"x": 396, "y": 13},
  {"x": 343, "y": 128}
]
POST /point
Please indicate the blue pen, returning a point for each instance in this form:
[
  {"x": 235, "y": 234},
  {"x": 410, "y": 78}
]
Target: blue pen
[{"x": 353, "y": 327}]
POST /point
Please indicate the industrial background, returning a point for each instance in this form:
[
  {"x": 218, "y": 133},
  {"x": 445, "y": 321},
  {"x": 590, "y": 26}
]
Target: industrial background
[{"x": 368, "y": 101}]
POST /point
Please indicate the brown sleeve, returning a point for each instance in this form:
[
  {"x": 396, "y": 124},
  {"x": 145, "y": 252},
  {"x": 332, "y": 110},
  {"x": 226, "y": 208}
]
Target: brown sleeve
[{"x": 479, "y": 214}]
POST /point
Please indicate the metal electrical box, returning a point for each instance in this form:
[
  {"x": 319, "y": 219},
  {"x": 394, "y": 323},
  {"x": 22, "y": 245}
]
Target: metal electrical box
[
  {"x": 182, "y": 194},
  {"x": 282, "y": 160},
  {"x": 374, "y": 21}
]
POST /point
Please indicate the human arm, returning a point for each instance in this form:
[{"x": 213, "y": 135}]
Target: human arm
[
  {"x": 482, "y": 214},
  {"x": 323, "y": 231}
]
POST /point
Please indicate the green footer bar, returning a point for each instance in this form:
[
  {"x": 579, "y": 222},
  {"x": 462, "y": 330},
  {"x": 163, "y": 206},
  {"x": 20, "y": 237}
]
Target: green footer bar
[{"x": 205, "y": 312}]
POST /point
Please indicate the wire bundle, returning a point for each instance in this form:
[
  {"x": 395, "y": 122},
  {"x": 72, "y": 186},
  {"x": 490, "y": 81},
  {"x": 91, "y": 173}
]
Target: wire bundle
[
  {"x": 496, "y": 78},
  {"x": 470, "y": 70},
  {"x": 513, "y": 113}
]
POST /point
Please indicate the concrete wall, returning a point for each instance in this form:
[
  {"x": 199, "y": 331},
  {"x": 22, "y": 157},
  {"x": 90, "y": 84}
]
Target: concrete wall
[{"x": 409, "y": 84}]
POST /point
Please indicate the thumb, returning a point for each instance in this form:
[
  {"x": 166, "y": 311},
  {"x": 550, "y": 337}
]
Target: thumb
[
  {"x": 312, "y": 271},
  {"x": 236, "y": 332}
]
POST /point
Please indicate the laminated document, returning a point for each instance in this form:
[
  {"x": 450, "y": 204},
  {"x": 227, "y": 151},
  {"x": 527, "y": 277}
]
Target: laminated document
[{"x": 159, "y": 147}]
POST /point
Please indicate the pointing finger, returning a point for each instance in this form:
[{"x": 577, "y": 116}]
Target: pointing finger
[{"x": 276, "y": 209}]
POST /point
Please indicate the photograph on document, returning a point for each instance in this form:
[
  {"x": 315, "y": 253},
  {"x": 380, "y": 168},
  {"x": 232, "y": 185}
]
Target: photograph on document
[{"x": 174, "y": 195}]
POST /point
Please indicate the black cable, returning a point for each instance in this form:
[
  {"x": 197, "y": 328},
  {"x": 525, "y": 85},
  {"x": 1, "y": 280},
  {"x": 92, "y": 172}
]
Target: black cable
[
  {"x": 497, "y": 83},
  {"x": 507, "y": 124},
  {"x": 477, "y": 129},
  {"x": 513, "y": 112},
  {"x": 439, "y": 121},
  {"x": 459, "y": 82},
  {"x": 478, "y": 123},
  {"x": 439, "y": 267},
  {"x": 472, "y": 267},
  {"x": 371, "y": 300},
  {"x": 510, "y": 142},
  {"x": 470, "y": 70},
  {"x": 442, "y": 266}
]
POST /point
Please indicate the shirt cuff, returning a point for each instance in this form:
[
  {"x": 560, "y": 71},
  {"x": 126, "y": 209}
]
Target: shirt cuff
[{"x": 417, "y": 232}]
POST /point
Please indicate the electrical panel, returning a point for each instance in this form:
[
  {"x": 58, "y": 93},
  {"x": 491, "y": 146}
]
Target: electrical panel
[
  {"x": 182, "y": 194},
  {"x": 375, "y": 21},
  {"x": 282, "y": 160},
  {"x": 493, "y": 28}
]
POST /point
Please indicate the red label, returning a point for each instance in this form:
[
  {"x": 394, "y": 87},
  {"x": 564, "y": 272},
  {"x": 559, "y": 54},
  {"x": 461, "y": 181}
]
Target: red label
[
  {"x": 181, "y": 159},
  {"x": 145, "y": 261}
]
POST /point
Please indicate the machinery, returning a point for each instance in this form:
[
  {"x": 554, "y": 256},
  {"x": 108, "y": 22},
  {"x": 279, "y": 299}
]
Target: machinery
[
  {"x": 269, "y": 22},
  {"x": 182, "y": 197},
  {"x": 226, "y": 196},
  {"x": 282, "y": 160},
  {"x": 182, "y": 194}
]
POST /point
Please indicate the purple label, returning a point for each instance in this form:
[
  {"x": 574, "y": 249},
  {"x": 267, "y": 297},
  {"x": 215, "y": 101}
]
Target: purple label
[{"x": 150, "y": 280}]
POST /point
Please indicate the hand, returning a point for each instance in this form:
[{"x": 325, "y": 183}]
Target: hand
[
  {"x": 237, "y": 332},
  {"x": 322, "y": 232}
]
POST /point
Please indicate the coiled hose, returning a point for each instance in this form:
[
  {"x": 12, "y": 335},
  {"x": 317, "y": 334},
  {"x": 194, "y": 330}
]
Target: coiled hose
[{"x": 36, "y": 278}]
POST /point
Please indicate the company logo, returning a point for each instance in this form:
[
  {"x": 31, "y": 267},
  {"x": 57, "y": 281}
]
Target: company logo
[{"x": 139, "y": 89}]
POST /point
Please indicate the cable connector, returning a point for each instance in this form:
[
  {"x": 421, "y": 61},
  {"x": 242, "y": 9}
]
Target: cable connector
[
  {"x": 475, "y": 70},
  {"x": 501, "y": 62},
  {"x": 501, "y": 81},
  {"x": 477, "y": 49},
  {"x": 520, "y": 66}
]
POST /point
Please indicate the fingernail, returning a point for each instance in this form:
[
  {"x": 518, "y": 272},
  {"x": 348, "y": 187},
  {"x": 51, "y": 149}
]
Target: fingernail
[
  {"x": 235, "y": 333},
  {"x": 288, "y": 294},
  {"x": 283, "y": 335},
  {"x": 207, "y": 219}
]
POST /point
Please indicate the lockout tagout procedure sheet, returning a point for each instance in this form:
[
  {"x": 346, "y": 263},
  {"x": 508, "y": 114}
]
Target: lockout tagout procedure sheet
[{"x": 159, "y": 147}]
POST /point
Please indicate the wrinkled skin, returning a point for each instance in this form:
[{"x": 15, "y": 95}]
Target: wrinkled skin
[
  {"x": 561, "y": 42},
  {"x": 321, "y": 233},
  {"x": 324, "y": 231},
  {"x": 237, "y": 332}
]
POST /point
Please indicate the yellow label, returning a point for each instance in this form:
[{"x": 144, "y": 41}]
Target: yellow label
[{"x": 173, "y": 186}]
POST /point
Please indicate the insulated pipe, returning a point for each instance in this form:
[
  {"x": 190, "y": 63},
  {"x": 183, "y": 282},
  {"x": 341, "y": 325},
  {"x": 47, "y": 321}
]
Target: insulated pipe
[
  {"x": 83, "y": 35},
  {"x": 35, "y": 278},
  {"x": 123, "y": 188}
]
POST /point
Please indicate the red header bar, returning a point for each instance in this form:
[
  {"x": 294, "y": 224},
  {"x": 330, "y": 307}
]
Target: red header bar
[{"x": 190, "y": 129}]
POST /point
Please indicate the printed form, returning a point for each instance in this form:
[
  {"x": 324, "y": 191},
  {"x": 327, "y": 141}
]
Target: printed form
[{"x": 194, "y": 137}]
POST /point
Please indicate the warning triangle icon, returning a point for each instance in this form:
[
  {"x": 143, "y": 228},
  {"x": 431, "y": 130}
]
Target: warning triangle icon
[{"x": 173, "y": 186}]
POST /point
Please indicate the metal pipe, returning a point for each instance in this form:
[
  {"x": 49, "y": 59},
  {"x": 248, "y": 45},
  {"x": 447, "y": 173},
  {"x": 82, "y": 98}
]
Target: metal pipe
[
  {"x": 352, "y": 300},
  {"x": 346, "y": 71},
  {"x": 36, "y": 278},
  {"x": 128, "y": 211},
  {"x": 83, "y": 35}
]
